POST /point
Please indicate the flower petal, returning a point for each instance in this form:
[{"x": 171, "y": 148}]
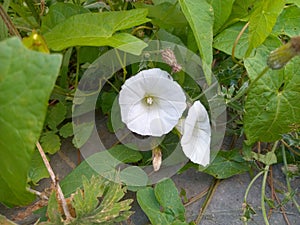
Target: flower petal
[
  {"x": 168, "y": 102},
  {"x": 195, "y": 141}
]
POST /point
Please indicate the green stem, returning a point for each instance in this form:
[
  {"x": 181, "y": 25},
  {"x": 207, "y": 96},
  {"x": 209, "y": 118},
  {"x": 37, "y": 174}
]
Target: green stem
[
  {"x": 250, "y": 185},
  {"x": 263, "y": 193},
  {"x": 257, "y": 78},
  {"x": 247, "y": 191},
  {"x": 122, "y": 64},
  {"x": 112, "y": 85},
  {"x": 288, "y": 184},
  {"x": 246, "y": 90},
  {"x": 77, "y": 68}
]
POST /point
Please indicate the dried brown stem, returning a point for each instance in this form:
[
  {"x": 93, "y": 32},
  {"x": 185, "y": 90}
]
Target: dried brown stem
[
  {"x": 236, "y": 42},
  {"x": 56, "y": 184},
  {"x": 274, "y": 196},
  {"x": 9, "y": 24},
  {"x": 210, "y": 194},
  {"x": 197, "y": 197}
]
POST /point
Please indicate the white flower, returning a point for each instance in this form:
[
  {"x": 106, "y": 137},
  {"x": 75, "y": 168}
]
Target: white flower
[
  {"x": 151, "y": 102},
  {"x": 195, "y": 141}
]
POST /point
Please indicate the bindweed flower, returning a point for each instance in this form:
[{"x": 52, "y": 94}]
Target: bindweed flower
[
  {"x": 151, "y": 102},
  {"x": 282, "y": 55},
  {"x": 195, "y": 140}
]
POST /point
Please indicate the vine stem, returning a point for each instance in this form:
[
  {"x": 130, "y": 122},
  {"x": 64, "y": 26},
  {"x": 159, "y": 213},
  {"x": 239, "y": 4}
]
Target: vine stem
[
  {"x": 247, "y": 89},
  {"x": 56, "y": 184},
  {"x": 287, "y": 178},
  {"x": 236, "y": 42},
  {"x": 263, "y": 193},
  {"x": 250, "y": 185},
  {"x": 263, "y": 188},
  {"x": 122, "y": 63}
]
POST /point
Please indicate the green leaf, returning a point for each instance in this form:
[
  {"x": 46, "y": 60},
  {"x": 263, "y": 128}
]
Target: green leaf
[
  {"x": 165, "y": 15},
  {"x": 199, "y": 15},
  {"x": 262, "y": 21},
  {"x": 272, "y": 106},
  {"x": 58, "y": 13},
  {"x": 167, "y": 195},
  {"x": 99, "y": 203},
  {"x": 104, "y": 162},
  {"x": 162, "y": 204},
  {"x": 56, "y": 115},
  {"x": 227, "y": 164},
  {"x": 85, "y": 203},
  {"x": 37, "y": 169},
  {"x": 257, "y": 62},
  {"x": 134, "y": 176},
  {"x": 268, "y": 159},
  {"x": 147, "y": 201},
  {"x": 164, "y": 35},
  {"x": 26, "y": 81},
  {"x": 222, "y": 10},
  {"x": 225, "y": 40},
  {"x": 88, "y": 54},
  {"x": 98, "y": 29},
  {"x": 241, "y": 11},
  {"x": 288, "y": 22},
  {"x": 53, "y": 210},
  {"x": 66, "y": 130},
  {"x": 50, "y": 142},
  {"x": 82, "y": 133},
  {"x": 107, "y": 100}
]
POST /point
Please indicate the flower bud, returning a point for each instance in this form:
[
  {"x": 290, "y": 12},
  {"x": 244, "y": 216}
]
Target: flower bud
[
  {"x": 156, "y": 158},
  {"x": 282, "y": 55},
  {"x": 169, "y": 57}
]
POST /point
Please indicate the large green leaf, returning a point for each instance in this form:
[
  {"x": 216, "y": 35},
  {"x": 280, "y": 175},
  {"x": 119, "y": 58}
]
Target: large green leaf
[
  {"x": 199, "y": 15},
  {"x": 288, "y": 22},
  {"x": 227, "y": 164},
  {"x": 272, "y": 104},
  {"x": 162, "y": 204},
  {"x": 58, "y": 13},
  {"x": 222, "y": 10},
  {"x": 98, "y": 29},
  {"x": 26, "y": 81},
  {"x": 262, "y": 21}
]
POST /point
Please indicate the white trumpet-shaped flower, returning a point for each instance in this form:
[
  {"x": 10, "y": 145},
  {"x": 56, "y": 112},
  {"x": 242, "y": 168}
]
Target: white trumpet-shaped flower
[
  {"x": 195, "y": 140},
  {"x": 151, "y": 102}
]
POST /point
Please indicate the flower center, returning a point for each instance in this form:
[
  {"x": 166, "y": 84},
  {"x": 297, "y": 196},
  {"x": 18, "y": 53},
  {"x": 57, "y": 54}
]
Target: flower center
[{"x": 149, "y": 100}]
